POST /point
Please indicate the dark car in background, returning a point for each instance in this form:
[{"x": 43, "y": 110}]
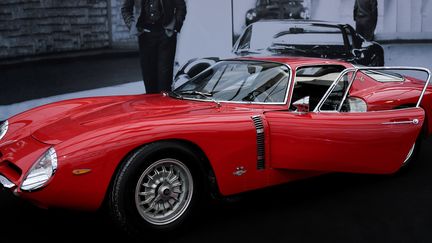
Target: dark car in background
[
  {"x": 277, "y": 9},
  {"x": 305, "y": 38},
  {"x": 310, "y": 39}
]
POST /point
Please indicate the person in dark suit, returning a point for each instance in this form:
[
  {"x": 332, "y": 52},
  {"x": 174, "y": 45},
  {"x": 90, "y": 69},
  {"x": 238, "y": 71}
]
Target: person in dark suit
[
  {"x": 366, "y": 17},
  {"x": 157, "y": 26}
]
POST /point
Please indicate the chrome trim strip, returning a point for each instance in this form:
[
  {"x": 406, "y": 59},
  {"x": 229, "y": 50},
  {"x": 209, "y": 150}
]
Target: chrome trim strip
[
  {"x": 351, "y": 82},
  {"x": 6, "y": 182},
  {"x": 260, "y": 140},
  {"x": 356, "y": 69},
  {"x": 331, "y": 88},
  {"x": 414, "y": 122}
]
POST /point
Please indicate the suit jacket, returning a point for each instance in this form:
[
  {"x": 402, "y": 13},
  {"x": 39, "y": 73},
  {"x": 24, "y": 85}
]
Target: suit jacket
[
  {"x": 366, "y": 11},
  {"x": 172, "y": 10}
]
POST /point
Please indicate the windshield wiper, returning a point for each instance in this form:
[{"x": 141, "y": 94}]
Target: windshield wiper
[
  {"x": 194, "y": 92},
  {"x": 175, "y": 95},
  {"x": 202, "y": 94}
]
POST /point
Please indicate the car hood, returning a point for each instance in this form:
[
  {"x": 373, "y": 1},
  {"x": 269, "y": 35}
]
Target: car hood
[{"x": 108, "y": 113}]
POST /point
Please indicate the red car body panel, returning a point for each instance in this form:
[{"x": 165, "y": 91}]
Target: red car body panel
[
  {"x": 342, "y": 142},
  {"x": 99, "y": 133}
]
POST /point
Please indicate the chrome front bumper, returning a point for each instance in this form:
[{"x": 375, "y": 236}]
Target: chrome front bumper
[{"x": 6, "y": 183}]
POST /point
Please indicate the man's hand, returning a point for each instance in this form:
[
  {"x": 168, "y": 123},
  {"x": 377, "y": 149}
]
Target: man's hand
[
  {"x": 180, "y": 14},
  {"x": 127, "y": 12}
]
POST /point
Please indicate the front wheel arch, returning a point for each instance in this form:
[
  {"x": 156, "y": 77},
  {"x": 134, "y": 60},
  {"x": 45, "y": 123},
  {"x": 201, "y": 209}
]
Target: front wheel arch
[
  {"x": 180, "y": 149},
  {"x": 204, "y": 165},
  {"x": 120, "y": 201}
]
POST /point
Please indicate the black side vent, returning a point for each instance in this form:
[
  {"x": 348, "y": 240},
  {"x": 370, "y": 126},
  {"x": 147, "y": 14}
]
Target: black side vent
[{"x": 260, "y": 142}]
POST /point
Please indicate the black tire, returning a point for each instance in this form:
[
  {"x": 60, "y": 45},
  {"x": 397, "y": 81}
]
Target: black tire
[{"x": 123, "y": 195}]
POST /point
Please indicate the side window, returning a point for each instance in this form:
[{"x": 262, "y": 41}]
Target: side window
[
  {"x": 334, "y": 100},
  {"x": 311, "y": 84},
  {"x": 376, "y": 89}
]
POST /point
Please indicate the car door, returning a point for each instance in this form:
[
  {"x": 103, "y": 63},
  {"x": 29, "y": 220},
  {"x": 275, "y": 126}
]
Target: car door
[
  {"x": 370, "y": 142},
  {"x": 335, "y": 139}
]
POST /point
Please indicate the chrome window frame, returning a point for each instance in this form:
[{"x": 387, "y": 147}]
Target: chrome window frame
[
  {"x": 306, "y": 66},
  {"x": 351, "y": 81},
  {"x": 253, "y": 103}
]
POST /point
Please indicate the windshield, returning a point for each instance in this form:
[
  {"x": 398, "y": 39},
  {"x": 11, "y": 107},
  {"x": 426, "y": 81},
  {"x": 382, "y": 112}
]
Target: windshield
[
  {"x": 239, "y": 81},
  {"x": 265, "y": 35}
]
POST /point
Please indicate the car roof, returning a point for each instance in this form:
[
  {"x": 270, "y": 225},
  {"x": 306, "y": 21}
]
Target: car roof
[{"x": 295, "y": 62}]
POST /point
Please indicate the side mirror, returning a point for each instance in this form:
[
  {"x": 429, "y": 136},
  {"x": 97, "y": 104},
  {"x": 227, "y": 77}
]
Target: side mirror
[{"x": 302, "y": 105}]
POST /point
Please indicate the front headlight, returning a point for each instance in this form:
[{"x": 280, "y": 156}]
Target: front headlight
[
  {"x": 41, "y": 172},
  {"x": 3, "y": 129}
]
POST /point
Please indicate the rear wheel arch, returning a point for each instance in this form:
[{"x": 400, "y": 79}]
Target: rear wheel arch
[{"x": 413, "y": 155}]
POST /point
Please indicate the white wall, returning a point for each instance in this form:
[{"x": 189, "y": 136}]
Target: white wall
[
  {"x": 206, "y": 31},
  {"x": 208, "y": 27},
  {"x": 397, "y": 19}
]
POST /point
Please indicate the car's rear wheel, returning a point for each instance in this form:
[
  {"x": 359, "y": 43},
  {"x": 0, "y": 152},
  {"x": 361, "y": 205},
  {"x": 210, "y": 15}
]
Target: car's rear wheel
[{"x": 156, "y": 190}]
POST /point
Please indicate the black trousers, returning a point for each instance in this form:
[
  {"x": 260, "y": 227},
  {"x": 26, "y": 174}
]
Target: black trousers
[
  {"x": 157, "y": 53},
  {"x": 366, "y": 28}
]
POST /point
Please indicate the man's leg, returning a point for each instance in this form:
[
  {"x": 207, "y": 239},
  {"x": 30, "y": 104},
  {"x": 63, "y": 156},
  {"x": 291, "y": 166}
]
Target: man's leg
[
  {"x": 167, "y": 50},
  {"x": 365, "y": 29},
  {"x": 148, "y": 43}
]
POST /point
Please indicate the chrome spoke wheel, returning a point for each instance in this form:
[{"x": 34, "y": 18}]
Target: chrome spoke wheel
[{"x": 164, "y": 191}]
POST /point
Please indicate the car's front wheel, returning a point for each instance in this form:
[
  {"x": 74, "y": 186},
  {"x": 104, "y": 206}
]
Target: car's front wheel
[
  {"x": 155, "y": 190},
  {"x": 164, "y": 191}
]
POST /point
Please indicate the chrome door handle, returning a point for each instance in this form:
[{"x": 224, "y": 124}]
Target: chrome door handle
[{"x": 414, "y": 122}]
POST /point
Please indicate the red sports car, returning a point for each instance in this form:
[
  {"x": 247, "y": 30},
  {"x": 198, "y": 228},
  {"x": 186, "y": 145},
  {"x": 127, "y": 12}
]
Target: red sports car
[{"x": 240, "y": 125}]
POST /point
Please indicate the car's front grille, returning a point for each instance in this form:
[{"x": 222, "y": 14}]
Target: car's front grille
[{"x": 257, "y": 120}]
